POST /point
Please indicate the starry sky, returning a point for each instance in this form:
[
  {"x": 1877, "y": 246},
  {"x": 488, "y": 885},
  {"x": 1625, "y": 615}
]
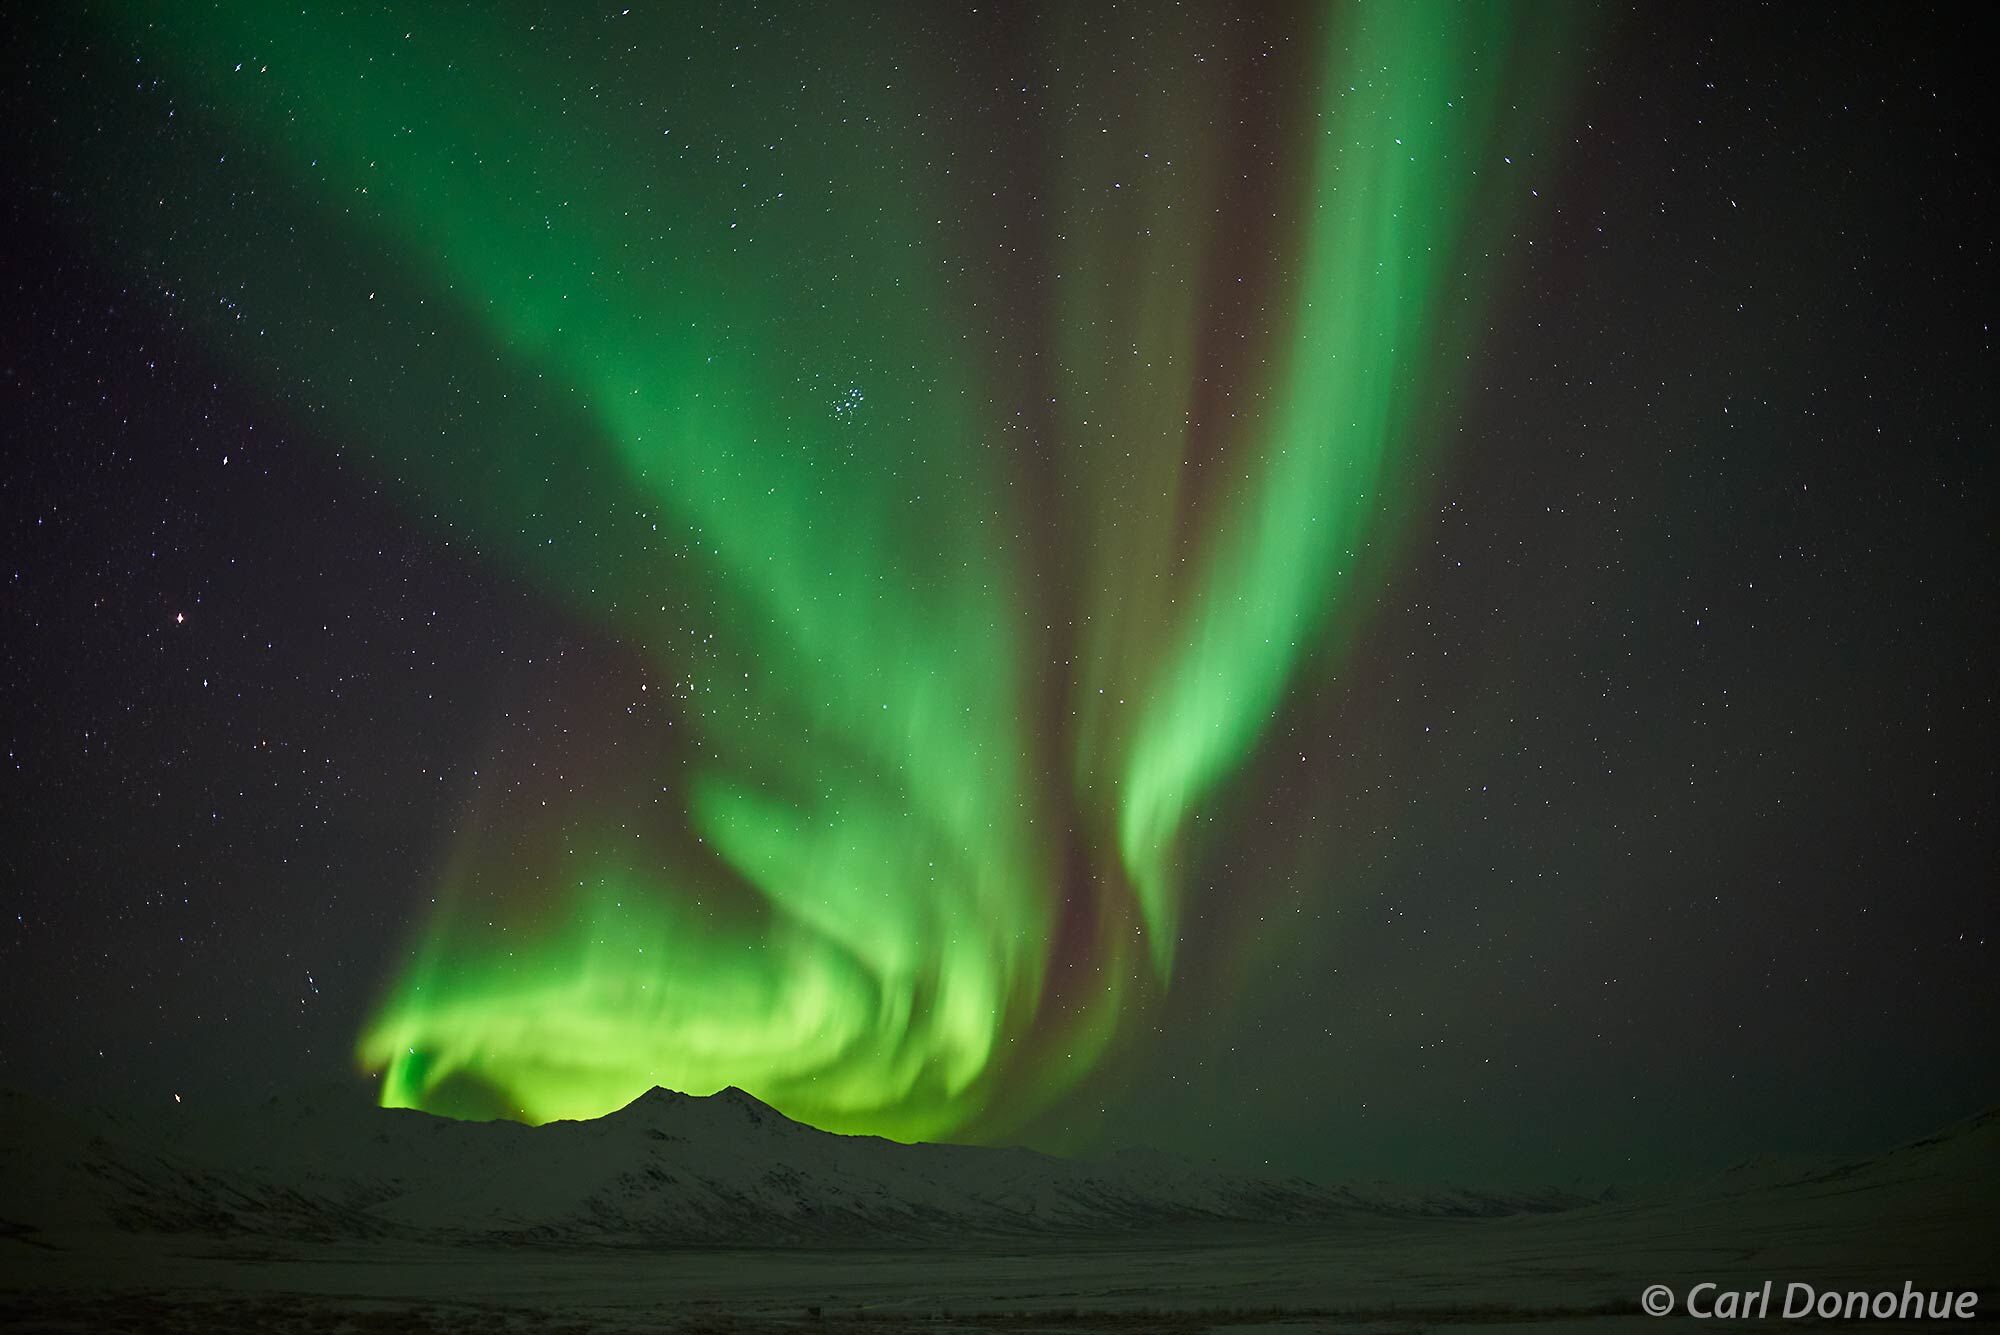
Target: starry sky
[{"x": 1388, "y": 590}]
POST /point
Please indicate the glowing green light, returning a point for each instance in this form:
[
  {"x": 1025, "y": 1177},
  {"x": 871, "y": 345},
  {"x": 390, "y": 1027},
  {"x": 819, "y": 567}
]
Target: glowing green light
[{"x": 894, "y": 890}]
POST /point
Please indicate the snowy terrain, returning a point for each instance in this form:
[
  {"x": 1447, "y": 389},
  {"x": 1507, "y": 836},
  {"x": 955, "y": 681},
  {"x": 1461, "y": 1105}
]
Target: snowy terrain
[
  {"x": 682, "y": 1213},
  {"x": 668, "y": 1168}
]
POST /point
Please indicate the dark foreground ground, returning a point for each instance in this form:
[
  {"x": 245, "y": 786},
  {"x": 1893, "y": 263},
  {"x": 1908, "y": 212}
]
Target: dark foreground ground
[
  {"x": 143, "y": 1240},
  {"x": 1581, "y": 1270}
]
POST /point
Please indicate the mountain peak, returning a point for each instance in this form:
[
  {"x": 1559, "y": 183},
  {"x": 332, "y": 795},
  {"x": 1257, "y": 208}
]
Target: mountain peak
[
  {"x": 660, "y": 1100},
  {"x": 742, "y": 1098}
]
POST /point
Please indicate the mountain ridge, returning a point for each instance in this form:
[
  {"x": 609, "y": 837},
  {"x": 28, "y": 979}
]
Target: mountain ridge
[
  {"x": 726, "y": 1169},
  {"x": 666, "y": 1168}
]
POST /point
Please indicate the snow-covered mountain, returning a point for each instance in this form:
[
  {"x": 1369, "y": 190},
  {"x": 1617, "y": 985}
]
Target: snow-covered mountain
[{"x": 668, "y": 1168}]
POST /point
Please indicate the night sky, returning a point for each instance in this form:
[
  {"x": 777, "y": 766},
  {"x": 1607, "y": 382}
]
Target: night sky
[{"x": 1397, "y": 591}]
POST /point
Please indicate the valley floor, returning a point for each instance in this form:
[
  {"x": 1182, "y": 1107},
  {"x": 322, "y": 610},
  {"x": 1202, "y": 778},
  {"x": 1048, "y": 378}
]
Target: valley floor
[{"x": 1581, "y": 1270}]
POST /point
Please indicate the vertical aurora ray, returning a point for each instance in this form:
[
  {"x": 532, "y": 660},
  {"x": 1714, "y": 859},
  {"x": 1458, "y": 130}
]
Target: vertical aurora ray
[
  {"x": 1400, "y": 120},
  {"x": 717, "y": 394}
]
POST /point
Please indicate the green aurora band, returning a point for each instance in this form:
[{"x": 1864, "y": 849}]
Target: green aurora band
[{"x": 678, "y": 330}]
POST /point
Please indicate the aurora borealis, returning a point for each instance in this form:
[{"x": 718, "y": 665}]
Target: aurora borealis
[
  {"x": 982, "y": 500},
  {"x": 925, "y": 867}
]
